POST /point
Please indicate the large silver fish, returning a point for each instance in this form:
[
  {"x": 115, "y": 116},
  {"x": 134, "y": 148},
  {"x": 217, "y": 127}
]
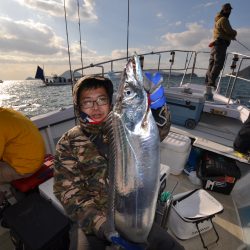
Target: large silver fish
[{"x": 134, "y": 157}]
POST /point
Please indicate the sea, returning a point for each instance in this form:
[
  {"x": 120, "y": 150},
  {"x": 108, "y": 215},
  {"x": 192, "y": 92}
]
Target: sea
[{"x": 32, "y": 97}]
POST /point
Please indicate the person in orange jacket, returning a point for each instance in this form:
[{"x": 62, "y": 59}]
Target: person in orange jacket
[{"x": 22, "y": 148}]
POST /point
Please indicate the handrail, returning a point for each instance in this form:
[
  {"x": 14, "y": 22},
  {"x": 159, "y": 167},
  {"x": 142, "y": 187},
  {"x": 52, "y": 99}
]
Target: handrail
[
  {"x": 112, "y": 61},
  {"x": 234, "y": 75},
  {"x": 188, "y": 69},
  {"x": 240, "y": 78}
]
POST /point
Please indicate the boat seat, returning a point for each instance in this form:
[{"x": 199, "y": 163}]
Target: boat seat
[
  {"x": 41, "y": 175},
  {"x": 46, "y": 190}
]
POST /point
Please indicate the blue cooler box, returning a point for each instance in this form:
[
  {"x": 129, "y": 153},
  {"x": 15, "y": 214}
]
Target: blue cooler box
[{"x": 185, "y": 108}]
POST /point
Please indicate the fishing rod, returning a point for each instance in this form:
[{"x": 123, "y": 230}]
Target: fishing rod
[{"x": 242, "y": 45}]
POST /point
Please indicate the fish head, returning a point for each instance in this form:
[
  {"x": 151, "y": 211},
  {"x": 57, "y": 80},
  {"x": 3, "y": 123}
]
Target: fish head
[{"x": 132, "y": 100}]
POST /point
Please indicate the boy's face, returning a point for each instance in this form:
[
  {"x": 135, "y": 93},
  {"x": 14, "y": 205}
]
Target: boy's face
[{"x": 95, "y": 103}]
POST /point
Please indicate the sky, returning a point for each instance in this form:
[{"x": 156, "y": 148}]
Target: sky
[{"x": 33, "y": 32}]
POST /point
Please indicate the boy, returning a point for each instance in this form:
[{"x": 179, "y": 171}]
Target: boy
[{"x": 81, "y": 166}]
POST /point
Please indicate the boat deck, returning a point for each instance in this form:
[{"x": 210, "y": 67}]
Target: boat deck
[
  {"x": 214, "y": 133},
  {"x": 226, "y": 223}
]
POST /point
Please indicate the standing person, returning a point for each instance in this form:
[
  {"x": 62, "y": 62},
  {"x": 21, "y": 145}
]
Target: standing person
[
  {"x": 222, "y": 35},
  {"x": 81, "y": 163},
  {"x": 22, "y": 148}
]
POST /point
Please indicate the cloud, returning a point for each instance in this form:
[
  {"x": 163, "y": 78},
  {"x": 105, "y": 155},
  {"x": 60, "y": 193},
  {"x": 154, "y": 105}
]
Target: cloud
[
  {"x": 159, "y": 15},
  {"x": 197, "y": 37},
  {"x": 56, "y": 8},
  {"x": 25, "y": 44},
  {"x": 28, "y": 37},
  {"x": 205, "y": 5},
  {"x": 210, "y": 4},
  {"x": 87, "y": 54},
  {"x": 123, "y": 53},
  {"x": 178, "y": 23},
  {"x": 29, "y": 41},
  {"x": 193, "y": 38}
]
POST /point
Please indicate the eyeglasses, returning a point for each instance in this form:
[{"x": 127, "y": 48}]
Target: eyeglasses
[{"x": 90, "y": 104}]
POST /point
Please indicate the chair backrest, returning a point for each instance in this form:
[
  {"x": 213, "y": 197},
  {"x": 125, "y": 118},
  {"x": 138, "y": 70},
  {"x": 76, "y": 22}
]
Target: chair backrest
[{"x": 41, "y": 175}]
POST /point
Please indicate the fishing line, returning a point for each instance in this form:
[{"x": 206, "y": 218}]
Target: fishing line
[{"x": 242, "y": 45}]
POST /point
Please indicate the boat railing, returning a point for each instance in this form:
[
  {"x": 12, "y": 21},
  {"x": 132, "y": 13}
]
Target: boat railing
[
  {"x": 178, "y": 67},
  {"x": 164, "y": 61},
  {"x": 236, "y": 73}
]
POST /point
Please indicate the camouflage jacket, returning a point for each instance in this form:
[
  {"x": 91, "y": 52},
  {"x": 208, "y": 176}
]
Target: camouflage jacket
[{"x": 80, "y": 178}]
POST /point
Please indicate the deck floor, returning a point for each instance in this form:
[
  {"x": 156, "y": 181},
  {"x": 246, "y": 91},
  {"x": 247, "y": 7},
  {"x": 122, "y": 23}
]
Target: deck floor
[
  {"x": 227, "y": 223},
  {"x": 214, "y": 133}
]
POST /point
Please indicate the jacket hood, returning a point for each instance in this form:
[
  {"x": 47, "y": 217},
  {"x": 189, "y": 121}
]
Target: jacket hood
[{"x": 89, "y": 81}]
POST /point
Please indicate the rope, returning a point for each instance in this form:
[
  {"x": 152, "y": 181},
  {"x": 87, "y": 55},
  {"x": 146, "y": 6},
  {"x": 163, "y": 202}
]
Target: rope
[
  {"x": 66, "y": 25},
  {"x": 80, "y": 33}
]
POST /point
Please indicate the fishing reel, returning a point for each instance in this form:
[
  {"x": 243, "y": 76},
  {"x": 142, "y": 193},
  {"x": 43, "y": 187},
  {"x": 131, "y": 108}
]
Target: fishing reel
[
  {"x": 234, "y": 61},
  {"x": 172, "y": 53}
]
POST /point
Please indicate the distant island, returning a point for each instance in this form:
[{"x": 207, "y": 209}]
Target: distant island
[
  {"x": 30, "y": 78},
  {"x": 65, "y": 75}
]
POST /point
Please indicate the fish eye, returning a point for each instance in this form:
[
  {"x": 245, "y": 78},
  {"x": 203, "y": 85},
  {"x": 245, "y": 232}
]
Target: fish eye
[{"x": 127, "y": 92}]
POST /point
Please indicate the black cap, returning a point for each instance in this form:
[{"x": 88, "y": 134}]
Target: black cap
[{"x": 226, "y": 6}]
